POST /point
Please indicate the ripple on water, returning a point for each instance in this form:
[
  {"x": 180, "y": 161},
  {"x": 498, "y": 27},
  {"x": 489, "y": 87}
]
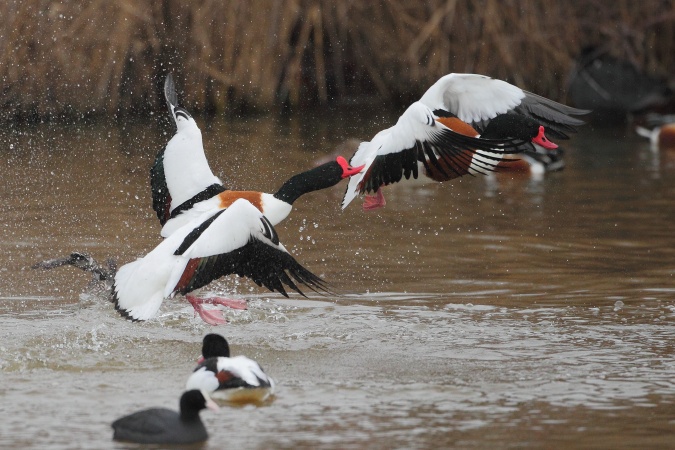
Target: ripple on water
[{"x": 400, "y": 365}]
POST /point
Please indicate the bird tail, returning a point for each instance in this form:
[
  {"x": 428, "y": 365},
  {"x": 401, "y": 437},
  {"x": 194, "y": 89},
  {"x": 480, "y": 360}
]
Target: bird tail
[{"x": 133, "y": 295}]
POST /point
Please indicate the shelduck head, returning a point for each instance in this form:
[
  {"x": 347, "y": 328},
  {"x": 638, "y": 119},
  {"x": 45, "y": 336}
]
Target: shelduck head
[
  {"x": 214, "y": 345},
  {"x": 321, "y": 177},
  {"x": 520, "y": 127},
  {"x": 183, "y": 118}
]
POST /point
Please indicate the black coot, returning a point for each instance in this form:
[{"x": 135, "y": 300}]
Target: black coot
[{"x": 164, "y": 426}]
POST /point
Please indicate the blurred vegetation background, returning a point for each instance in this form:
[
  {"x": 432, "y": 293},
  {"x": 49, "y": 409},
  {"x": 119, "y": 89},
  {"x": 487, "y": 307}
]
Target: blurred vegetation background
[{"x": 97, "y": 57}]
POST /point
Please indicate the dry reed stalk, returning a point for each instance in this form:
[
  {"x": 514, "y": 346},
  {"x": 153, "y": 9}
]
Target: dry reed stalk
[{"x": 95, "y": 56}]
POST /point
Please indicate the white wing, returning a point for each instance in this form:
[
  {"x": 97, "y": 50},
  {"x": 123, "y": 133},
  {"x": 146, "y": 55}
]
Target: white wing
[
  {"x": 237, "y": 240},
  {"x": 246, "y": 369},
  {"x": 472, "y": 98},
  {"x": 180, "y": 171},
  {"x": 192, "y": 214},
  {"x": 138, "y": 288},
  {"x": 417, "y": 138},
  {"x": 476, "y": 99}
]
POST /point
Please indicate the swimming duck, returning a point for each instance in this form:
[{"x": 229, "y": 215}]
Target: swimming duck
[
  {"x": 183, "y": 186},
  {"x": 234, "y": 379},
  {"x": 539, "y": 155},
  {"x": 533, "y": 163},
  {"x": 425, "y": 136},
  {"x": 660, "y": 131},
  {"x": 237, "y": 240},
  {"x": 165, "y": 426},
  {"x": 614, "y": 87}
]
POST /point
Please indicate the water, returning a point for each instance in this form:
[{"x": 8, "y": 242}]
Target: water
[{"x": 482, "y": 313}]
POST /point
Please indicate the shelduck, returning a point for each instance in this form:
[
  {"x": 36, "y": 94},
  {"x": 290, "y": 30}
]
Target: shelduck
[
  {"x": 425, "y": 137},
  {"x": 234, "y": 379},
  {"x": 237, "y": 240},
  {"x": 165, "y": 426},
  {"x": 538, "y": 156},
  {"x": 615, "y": 87},
  {"x": 660, "y": 131},
  {"x": 534, "y": 163},
  {"x": 183, "y": 186}
]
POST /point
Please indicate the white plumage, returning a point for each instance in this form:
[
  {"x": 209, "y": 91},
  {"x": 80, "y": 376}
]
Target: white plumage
[
  {"x": 441, "y": 133},
  {"x": 186, "y": 169},
  {"x": 472, "y": 98},
  {"x": 235, "y": 378},
  {"x": 185, "y": 260}
]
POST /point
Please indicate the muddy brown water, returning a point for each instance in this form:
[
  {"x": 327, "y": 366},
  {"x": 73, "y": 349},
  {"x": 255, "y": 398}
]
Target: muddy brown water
[{"x": 483, "y": 313}]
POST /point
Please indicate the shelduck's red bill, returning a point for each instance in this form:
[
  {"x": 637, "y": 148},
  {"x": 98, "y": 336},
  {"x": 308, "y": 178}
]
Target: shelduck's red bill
[
  {"x": 542, "y": 140},
  {"x": 347, "y": 170},
  {"x": 210, "y": 404}
]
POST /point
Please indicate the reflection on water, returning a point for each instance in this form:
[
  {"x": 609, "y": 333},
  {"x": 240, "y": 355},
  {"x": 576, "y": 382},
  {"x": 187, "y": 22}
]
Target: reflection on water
[{"x": 495, "y": 312}]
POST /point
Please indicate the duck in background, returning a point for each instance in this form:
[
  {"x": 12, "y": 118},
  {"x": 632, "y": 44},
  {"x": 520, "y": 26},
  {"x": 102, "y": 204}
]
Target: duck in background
[
  {"x": 537, "y": 156},
  {"x": 660, "y": 130},
  {"x": 534, "y": 162},
  {"x": 235, "y": 379},
  {"x": 165, "y": 426},
  {"x": 493, "y": 118},
  {"x": 614, "y": 88}
]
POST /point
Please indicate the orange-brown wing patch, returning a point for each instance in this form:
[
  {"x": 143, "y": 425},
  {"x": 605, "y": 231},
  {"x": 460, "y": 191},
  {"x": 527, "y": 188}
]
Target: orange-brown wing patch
[
  {"x": 667, "y": 136},
  {"x": 188, "y": 274},
  {"x": 224, "y": 376},
  {"x": 229, "y": 197},
  {"x": 458, "y": 126},
  {"x": 454, "y": 167}
]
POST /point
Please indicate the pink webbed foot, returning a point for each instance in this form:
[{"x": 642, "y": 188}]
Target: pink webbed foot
[
  {"x": 227, "y": 302},
  {"x": 371, "y": 202},
  {"x": 212, "y": 316}
]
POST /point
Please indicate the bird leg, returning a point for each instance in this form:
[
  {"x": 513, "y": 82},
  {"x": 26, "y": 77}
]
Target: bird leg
[
  {"x": 371, "y": 202},
  {"x": 212, "y": 317},
  {"x": 228, "y": 302}
]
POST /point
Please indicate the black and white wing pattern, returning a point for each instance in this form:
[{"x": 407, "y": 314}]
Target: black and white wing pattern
[
  {"x": 221, "y": 373},
  {"x": 180, "y": 175},
  {"x": 419, "y": 141},
  {"x": 476, "y": 99},
  {"x": 237, "y": 240}
]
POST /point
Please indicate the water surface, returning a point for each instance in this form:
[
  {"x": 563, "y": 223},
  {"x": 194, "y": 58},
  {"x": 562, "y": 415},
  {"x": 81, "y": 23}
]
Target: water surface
[{"x": 482, "y": 313}]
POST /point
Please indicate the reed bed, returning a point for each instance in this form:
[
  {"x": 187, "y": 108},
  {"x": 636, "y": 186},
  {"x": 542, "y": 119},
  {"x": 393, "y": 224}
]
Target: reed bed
[{"x": 74, "y": 57}]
